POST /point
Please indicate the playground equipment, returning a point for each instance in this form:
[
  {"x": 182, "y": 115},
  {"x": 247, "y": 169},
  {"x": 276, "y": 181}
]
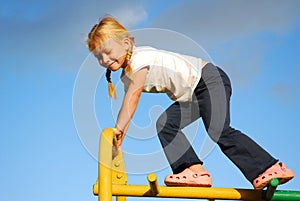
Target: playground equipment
[{"x": 112, "y": 181}]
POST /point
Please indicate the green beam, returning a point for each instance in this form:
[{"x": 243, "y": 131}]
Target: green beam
[{"x": 285, "y": 195}]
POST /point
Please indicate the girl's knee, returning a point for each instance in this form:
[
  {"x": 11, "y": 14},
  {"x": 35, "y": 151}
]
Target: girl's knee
[
  {"x": 217, "y": 134},
  {"x": 160, "y": 123},
  {"x": 167, "y": 124}
]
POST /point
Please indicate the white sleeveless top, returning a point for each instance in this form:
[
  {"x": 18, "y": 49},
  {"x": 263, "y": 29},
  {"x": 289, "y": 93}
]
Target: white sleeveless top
[{"x": 168, "y": 72}]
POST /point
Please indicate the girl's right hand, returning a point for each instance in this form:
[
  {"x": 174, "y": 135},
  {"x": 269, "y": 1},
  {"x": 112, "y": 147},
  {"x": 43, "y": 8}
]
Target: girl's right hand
[{"x": 118, "y": 137}]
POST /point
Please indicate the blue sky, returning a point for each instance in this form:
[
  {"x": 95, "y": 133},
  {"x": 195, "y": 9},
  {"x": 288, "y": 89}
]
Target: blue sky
[{"x": 44, "y": 154}]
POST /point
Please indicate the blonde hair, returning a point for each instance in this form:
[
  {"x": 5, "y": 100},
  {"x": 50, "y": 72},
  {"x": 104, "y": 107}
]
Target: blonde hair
[{"x": 108, "y": 28}]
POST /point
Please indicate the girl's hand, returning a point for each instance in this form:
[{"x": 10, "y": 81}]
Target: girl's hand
[{"x": 119, "y": 135}]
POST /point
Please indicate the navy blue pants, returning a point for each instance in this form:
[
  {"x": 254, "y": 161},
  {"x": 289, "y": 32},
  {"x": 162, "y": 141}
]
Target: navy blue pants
[{"x": 211, "y": 102}]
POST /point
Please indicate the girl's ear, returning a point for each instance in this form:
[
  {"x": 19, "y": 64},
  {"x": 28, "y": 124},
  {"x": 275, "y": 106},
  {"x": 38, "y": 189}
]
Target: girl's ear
[{"x": 126, "y": 43}]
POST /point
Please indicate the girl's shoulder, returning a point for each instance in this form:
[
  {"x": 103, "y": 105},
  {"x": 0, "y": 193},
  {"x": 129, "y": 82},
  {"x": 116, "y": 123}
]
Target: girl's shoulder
[
  {"x": 144, "y": 50},
  {"x": 143, "y": 54}
]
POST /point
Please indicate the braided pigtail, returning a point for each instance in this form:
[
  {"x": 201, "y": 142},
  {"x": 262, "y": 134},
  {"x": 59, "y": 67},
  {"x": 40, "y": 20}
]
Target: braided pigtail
[
  {"x": 111, "y": 88},
  {"x": 128, "y": 68}
]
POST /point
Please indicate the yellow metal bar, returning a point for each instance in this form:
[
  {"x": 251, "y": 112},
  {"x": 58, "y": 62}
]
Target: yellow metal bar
[
  {"x": 187, "y": 192},
  {"x": 120, "y": 198},
  {"x": 118, "y": 172},
  {"x": 153, "y": 183},
  {"x": 118, "y": 169},
  {"x": 112, "y": 179},
  {"x": 105, "y": 165}
]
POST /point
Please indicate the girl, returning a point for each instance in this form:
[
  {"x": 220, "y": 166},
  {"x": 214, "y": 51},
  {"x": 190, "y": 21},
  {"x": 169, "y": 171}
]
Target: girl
[{"x": 198, "y": 88}]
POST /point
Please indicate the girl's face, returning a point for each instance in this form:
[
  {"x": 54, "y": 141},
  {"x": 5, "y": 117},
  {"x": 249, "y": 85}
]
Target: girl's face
[{"x": 112, "y": 54}]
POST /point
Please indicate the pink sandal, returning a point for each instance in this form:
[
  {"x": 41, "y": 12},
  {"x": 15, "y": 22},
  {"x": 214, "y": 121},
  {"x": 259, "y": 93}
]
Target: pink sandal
[
  {"x": 189, "y": 178},
  {"x": 278, "y": 171}
]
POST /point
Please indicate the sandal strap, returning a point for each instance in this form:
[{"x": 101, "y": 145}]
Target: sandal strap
[{"x": 189, "y": 173}]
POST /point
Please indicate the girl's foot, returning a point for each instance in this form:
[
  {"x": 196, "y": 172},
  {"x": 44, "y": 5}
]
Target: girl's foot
[
  {"x": 278, "y": 171},
  {"x": 195, "y": 175}
]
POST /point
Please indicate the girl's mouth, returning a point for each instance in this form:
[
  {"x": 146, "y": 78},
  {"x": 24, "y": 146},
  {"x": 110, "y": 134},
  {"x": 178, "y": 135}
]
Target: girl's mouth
[{"x": 109, "y": 66}]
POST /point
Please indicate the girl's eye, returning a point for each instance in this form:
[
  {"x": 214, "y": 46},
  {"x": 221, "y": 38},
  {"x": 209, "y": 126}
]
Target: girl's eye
[
  {"x": 98, "y": 56},
  {"x": 107, "y": 51}
]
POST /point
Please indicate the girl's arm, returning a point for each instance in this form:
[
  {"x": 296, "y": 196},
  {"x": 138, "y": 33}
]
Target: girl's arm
[
  {"x": 120, "y": 136},
  {"x": 129, "y": 104}
]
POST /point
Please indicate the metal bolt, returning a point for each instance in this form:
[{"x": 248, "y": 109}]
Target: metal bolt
[{"x": 117, "y": 164}]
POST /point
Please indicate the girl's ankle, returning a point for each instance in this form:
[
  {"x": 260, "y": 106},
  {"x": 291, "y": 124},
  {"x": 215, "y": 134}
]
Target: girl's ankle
[{"x": 197, "y": 168}]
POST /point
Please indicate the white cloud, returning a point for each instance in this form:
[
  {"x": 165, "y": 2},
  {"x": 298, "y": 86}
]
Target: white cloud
[
  {"x": 237, "y": 34},
  {"x": 286, "y": 91},
  {"x": 218, "y": 21},
  {"x": 130, "y": 16}
]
